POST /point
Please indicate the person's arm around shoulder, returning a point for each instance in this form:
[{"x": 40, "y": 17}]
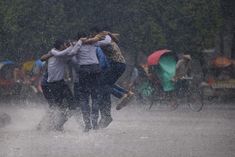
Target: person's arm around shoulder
[
  {"x": 114, "y": 37},
  {"x": 76, "y": 47},
  {"x": 106, "y": 41},
  {"x": 64, "y": 52},
  {"x": 95, "y": 39},
  {"x": 45, "y": 57}
]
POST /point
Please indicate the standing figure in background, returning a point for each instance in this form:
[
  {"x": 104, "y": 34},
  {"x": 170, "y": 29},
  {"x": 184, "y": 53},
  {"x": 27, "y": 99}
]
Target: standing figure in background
[{"x": 183, "y": 67}]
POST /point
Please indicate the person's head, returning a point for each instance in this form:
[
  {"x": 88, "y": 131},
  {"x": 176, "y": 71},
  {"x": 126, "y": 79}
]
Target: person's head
[
  {"x": 59, "y": 44},
  {"x": 94, "y": 30},
  {"x": 106, "y": 28},
  {"x": 81, "y": 35},
  {"x": 143, "y": 69},
  {"x": 187, "y": 57}
]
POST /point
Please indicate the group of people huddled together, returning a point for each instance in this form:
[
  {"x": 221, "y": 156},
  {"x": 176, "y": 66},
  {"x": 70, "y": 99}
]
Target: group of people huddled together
[{"x": 98, "y": 63}]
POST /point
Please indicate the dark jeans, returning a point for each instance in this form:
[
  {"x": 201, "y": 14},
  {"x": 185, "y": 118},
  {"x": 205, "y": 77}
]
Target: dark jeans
[
  {"x": 48, "y": 94},
  {"x": 55, "y": 93},
  {"x": 111, "y": 76},
  {"x": 76, "y": 93},
  {"x": 58, "y": 91},
  {"x": 118, "y": 91},
  {"x": 88, "y": 86},
  {"x": 108, "y": 87},
  {"x": 113, "y": 73},
  {"x": 105, "y": 101}
]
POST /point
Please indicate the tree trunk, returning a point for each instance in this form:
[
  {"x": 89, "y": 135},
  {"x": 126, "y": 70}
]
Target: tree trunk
[{"x": 226, "y": 39}]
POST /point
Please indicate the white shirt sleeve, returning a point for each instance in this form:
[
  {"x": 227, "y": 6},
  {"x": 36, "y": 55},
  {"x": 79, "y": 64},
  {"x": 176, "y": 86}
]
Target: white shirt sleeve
[
  {"x": 76, "y": 47},
  {"x": 106, "y": 41},
  {"x": 70, "y": 51},
  {"x": 65, "y": 52}
]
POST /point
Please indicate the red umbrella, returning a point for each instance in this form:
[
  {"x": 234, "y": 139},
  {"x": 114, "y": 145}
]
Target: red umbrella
[{"x": 154, "y": 58}]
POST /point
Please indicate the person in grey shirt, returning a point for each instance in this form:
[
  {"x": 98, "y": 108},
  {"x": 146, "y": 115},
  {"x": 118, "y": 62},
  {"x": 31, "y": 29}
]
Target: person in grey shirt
[
  {"x": 57, "y": 62},
  {"x": 89, "y": 73}
]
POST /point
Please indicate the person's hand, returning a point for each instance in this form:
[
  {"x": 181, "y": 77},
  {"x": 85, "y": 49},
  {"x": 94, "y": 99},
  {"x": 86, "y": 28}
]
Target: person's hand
[
  {"x": 83, "y": 39},
  {"x": 72, "y": 43},
  {"x": 46, "y": 57}
]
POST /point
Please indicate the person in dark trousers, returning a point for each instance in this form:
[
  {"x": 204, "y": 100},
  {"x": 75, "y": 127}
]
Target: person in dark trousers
[
  {"x": 117, "y": 64},
  {"x": 116, "y": 67},
  {"x": 88, "y": 86},
  {"x": 104, "y": 92},
  {"x": 88, "y": 71},
  {"x": 54, "y": 87}
]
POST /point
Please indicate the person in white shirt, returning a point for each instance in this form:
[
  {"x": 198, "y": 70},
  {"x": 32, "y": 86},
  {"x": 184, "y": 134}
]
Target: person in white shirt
[{"x": 54, "y": 87}]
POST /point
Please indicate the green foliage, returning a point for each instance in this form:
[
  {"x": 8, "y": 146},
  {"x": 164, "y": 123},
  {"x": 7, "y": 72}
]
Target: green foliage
[{"x": 29, "y": 27}]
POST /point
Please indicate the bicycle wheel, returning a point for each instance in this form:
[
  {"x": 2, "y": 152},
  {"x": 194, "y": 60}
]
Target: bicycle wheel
[{"x": 195, "y": 99}]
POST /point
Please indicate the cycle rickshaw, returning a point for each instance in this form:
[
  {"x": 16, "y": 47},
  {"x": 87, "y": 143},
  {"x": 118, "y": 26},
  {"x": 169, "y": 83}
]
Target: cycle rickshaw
[
  {"x": 220, "y": 82},
  {"x": 160, "y": 90}
]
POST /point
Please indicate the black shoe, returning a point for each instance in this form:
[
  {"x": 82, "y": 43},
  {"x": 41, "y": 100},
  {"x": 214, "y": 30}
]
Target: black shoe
[
  {"x": 104, "y": 122},
  {"x": 87, "y": 128}
]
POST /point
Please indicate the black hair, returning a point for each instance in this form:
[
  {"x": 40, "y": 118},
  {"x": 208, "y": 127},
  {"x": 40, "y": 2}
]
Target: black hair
[
  {"x": 81, "y": 35},
  {"x": 141, "y": 71},
  {"x": 95, "y": 29},
  {"x": 106, "y": 28},
  {"x": 58, "y": 43}
]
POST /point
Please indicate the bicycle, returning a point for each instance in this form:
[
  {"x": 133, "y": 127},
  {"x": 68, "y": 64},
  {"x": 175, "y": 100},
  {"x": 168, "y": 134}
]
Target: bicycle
[{"x": 185, "y": 89}]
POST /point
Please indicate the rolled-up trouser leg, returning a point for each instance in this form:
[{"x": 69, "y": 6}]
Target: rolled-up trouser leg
[
  {"x": 119, "y": 88},
  {"x": 118, "y": 91}
]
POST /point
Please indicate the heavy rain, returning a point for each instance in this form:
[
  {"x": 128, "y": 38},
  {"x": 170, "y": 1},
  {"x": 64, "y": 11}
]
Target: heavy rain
[{"x": 117, "y": 78}]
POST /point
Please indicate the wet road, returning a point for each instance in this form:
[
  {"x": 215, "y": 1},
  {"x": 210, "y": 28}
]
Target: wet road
[{"x": 135, "y": 132}]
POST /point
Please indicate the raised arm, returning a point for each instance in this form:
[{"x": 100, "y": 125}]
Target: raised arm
[
  {"x": 45, "y": 57},
  {"x": 114, "y": 37},
  {"x": 94, "y": 39},
  {"x": 64, "y": 52},
  {"x": 104, "y": 42},
  {"x": 76, "y": 47}
]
